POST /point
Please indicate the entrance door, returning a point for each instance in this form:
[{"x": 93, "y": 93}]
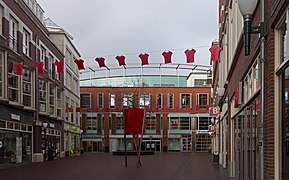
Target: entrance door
[
  {"x": 151, "y": 145},
  {"x": 186, "y": 143},
  {"x": 97, "y": 146}
]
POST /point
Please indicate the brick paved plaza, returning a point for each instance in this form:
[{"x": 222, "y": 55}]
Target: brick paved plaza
[{"x": 105, "y": 166}]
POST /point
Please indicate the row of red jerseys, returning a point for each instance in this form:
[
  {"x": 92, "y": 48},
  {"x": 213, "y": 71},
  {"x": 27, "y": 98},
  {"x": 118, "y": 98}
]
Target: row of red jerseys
[
  {"x": 40, "y": 67},
  {"x": 177, "y": 108},
  {"x": 190, "y": 56}
]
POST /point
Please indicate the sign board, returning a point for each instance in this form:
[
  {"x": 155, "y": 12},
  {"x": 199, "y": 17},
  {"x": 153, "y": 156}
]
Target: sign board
[
  {"x": 214, "y": 111},
  {"x": 15, "y": 117}
]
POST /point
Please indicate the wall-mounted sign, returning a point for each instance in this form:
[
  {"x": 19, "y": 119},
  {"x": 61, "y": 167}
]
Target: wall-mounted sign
[
  {"x": 214, "y": 111},
  {"x": 51, "y": 125},
  {"x": 15, "y": 117}
]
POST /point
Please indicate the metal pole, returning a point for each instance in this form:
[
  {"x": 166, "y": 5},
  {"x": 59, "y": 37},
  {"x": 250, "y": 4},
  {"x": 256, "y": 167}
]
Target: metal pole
[{"x": 262, "y": 93}]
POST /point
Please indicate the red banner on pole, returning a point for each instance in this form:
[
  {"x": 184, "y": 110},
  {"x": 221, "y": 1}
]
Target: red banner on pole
[{"x": 134, "y": 120}]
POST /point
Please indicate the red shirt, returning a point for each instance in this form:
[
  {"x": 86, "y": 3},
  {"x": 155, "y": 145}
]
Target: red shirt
[
  {"x": 79, "y": 63},
  {"x": 18, "y": 68},
  {"x": 215, "y": 50},
  {"x": 60, "y": 66},
  {"x": 39, "y": 66},
  {"x": 121, "y": 60},
  {"x": 167, "y": 56},
  {"x": 190, "y": 55},
  {"x": 100, "y": 61},
  {"x": 144, "y": 59}
]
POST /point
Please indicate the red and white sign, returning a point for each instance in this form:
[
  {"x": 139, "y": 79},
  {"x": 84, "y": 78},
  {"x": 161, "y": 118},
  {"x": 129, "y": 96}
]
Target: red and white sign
[{"x": 214, "y": 111}]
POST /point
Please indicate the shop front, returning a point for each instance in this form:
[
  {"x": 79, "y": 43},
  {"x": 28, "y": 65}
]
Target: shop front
[{"x": 15, "y": 142}]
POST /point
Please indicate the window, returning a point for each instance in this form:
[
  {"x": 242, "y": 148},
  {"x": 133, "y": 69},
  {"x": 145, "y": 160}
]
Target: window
[
  {"x": 51, "y": 99},
  {"x": 27, "y": 88},
  {"x": 185, "y": 123},
  {"x": 203, "y": 123},
  {"x": 170, "y": 100},
  {"x": 1, "y": 16},
  {"x": 50, "y": 62},
  {"x": 174, "y": 122},
  {"x": 127, "y": 100},
  {"x": 202, "y": 100},
  {"x": 144, "y": 100},
  {"x": 91, "y": 123},
  {"x": 1, "y": 72},
  {"x": 101, "y": 100},
  {"x": 59, "y": 102},
  {"x": 13, "y": 27},
  {"x": 85, "y": 100},
  {"x": 185, "y": 100},
  {"x": 26, "y": 41},
  {"x": 67, "y": 102},
  {"x": 74, "y": 85},
  {"x": 42, "y": 56},
  {"x": 112, "y": 101},
  {"x": 77, "y": 116},
  {"x": 200, "y": 83},
  {"x": 13, "y": 83},
  {"x": 42, "y": 95},
  {"x": 68, "y": 80},
  {"x": 150, "y": 124},
  {"x": 159, "y": 101},
  {"x": 72, "y": 113}
]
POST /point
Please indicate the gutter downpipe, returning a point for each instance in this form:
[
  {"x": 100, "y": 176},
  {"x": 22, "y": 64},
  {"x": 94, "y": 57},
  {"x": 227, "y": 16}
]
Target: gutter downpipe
[{"x": 262, "y": 59}]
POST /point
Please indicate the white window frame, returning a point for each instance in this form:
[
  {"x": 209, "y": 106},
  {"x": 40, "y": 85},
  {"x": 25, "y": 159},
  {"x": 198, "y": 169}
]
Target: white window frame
[
  {"x": 173, "y": 98},
  {"x": 2, "y": 74},
  {"x": 27, "y": 83},
  {"x": 181, "y": 103},
  {"x": 198, "y": 99},
  {"x": 112, "y": 99},
  {"x": 127, "y": 100},
  {"x": 52, "y": 95},
  {"x": 26, "y": 42},
  {"x": 13, "y": 28},
  {"x": 100, "y": 100},
  {"x": 18, "y": 88},
  {"x": 42, "y": 56},
  {"x": 161, "y": 100},
  {"x": 58, "y": 95},
  {"x": 43, "y": 90}
]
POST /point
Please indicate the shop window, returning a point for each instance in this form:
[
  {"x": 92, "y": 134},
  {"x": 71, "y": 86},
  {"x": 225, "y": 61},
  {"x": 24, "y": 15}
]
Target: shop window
[
  {"x": 85, "y": 100},
  {"x": 1, "y": 72},
  {"x": 51, "y": 99},
  {"x": 59, "y": 102},
  {"x": 13, "y": 28},
  {"x": 170, "y": 100},
  {"x": 144, "y": 100},
  {"x": 186, "y": 100},
  {"x": 27, "y": 88},
  {"x": 101, "y": 100},
  {"x": 127, "y": 100},
  {"x": 2, "y": 124},
  {"x": 119, "y": 125},
  {"x": 202, "y": 100},
  {"x": 185, "y": 123},
  {"x": 26, "y": 41},
  {"x": 42, "y": 95},
  {"x": 13, "y": 83},
  {"x": 10, "y": 125},
  {"x": 111, "y": 101},
  {"x": 159, "y": 100}
]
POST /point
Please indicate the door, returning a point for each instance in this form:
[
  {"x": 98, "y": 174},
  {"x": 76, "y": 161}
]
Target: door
[{"x": 186, "y": 143}]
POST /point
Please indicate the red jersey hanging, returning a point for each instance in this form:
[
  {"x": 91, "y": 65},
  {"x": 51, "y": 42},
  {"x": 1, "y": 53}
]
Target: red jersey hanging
[
  {"x": 144, "y": 59},
  {"x": 167, "y": 56},
  {"x": 100, "y": 61},
  {"x": 39, "y": 66},
  {"x": 134, "y": 118},
  {"x": 121, "y": 60},
  {"x": 60, "y": 66},
  {"x": 215, "y": 50},
  {"x": 190, "y": 54},
  {"x": 79, "y": 63},
  {"x": 18, "y": 68}
]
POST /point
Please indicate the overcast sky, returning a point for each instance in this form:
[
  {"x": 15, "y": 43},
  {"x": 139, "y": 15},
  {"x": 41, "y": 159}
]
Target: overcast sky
[{"x": 112, "y": 27}]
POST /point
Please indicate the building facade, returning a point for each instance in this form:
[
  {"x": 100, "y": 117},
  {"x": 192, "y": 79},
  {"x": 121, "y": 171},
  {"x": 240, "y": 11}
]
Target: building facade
[
  {"x": 176, "y": 118},
  {"x": 254, "y": 117},
  {"x": 30, "y": 102},
  {"x": 63, "y": 41}
]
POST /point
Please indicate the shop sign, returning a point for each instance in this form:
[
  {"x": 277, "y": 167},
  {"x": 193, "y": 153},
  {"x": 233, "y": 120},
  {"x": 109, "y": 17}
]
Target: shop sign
[
  {"x": 15, "y": 117},
  {"x": 51, "y": 125},
  {"x": 214, "y": 111},
  {"x": 73, "y": 128}
]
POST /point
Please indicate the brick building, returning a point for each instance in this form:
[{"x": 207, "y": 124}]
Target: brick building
[
  {"x": 254, "y": 117},
  {"x": 176, "y": 118}
]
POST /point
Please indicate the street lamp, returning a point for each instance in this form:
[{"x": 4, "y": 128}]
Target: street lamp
[{"x": 247, "y": 8}]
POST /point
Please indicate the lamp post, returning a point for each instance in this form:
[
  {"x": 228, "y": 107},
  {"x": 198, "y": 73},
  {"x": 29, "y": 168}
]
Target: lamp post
[{"x": 247, "y": 8}]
